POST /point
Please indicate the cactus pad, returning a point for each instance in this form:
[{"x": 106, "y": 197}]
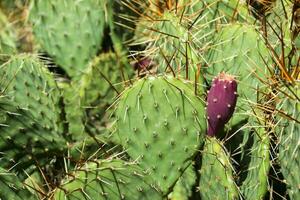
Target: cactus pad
[
  {"x": 69, "y": 31},
  {"x": 30, "y": 115},
  {"x": 161, "y": 125},
  {"x": 106, "y": 179},
  {"x": 289, "y": 148},
  {"x": 184, "y": 186},
  {"x": 256, "y": 183},
  {"x": 216, "y": 173}
]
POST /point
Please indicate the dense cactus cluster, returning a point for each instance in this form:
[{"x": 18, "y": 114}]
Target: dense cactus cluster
[{"x": 158, "y": 99}]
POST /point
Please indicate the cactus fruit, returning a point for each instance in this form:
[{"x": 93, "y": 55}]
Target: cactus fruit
[
  {"x": 106, "y": 179},
  {"x": 240, "y": 52},
  {"x": 216, "y": 173},
  {"x": 221, "y": 101},
  {"x": 161, "y": 125},
  {"x": 69, "y": 31}
]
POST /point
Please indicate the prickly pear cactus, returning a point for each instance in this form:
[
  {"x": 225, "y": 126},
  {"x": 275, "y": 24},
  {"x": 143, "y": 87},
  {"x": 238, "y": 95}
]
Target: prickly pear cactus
[
  {"x": 69, "y": 31},
  {"x": 216, "y": 173},
  {"x": 172, "y": 38},
  {"x": 104, "y": 78},
  {"x": 289, "y": 150},
  {"x": 241, "y": 52},
  {"x": 161, "y": 125},
  {"x": 28, "y": 83},
  {"x": 106, "y": 179},
  {"x": 30, "y": 115},
  {"x": 255, "y": 185},
  {"x": 225, "y": 11},
  {"x": 130, "y": 109},
  {"x": 97, "y": 88}
]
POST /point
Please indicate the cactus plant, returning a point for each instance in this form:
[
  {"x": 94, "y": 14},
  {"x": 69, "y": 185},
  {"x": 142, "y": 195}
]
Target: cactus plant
[
  {"x": 30, "y": 111},
  {"x": 70, "y": 31},
  {"x": 184, "y": 186},
  {"x": 255, "y": 184},
  {"x": 161, "y": 125},
  {"x": 120, "y": 102},
  {"x": 289, "y": 141},
  {"x": 216, "y": 173},
  {"x": 106, "y": 179}
]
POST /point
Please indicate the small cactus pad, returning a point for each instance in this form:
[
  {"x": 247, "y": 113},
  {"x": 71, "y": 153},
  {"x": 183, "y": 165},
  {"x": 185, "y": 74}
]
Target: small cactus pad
[
  {"x": 216, "y": 173},
  {"x": 97, "y": 88},
  {"x": 161, "y": 125},
  {"x": 69, "y": 31},
  {"x": 106, "y": 179},
  {"x": 184, "y": 186},
  {"x": 255, "y": 184},
  {"x": 221, "y": 101}
]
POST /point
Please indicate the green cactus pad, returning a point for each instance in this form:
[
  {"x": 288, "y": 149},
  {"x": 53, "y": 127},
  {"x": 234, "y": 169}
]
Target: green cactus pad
[
  {"x": 225, "y": 11},
  {"x": 289, "y": 149},
  {"x": 184, "y": 186},
  {"x": 104, "y": 76},
  {"x": 70, "y": 31},
  {"x": 106, "y": 179},
  {"x": 74, "y": 111},
  {"x": 240, "y": 51},
  {"x": 178, "y": 35},
  {"x": 161, "y": 124},
  {"x": 255, "y": 185},
  {"x": 97, "y": 88},
  {"x": 12, "y": 188},
  {"x": 174, "y": 37},
  {"x": 32, "y": 87},
  {"x": 30, "y": 115},
  {"x": 216, "y": 173}
]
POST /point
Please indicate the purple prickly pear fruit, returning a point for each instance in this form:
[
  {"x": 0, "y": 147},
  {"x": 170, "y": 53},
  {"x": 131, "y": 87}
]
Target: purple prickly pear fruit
[
  {"x": 143, "y": 66},
  {"x": 143, "y": 63},
  {"x": 221, "y": 101}
]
